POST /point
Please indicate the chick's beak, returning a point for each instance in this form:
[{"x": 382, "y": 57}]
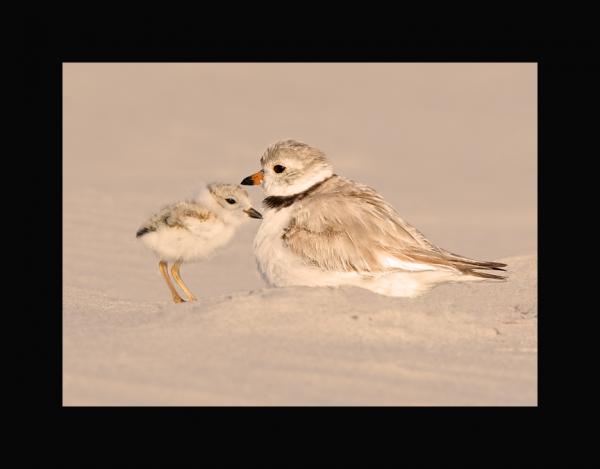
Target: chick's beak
[
  {"x": 253, "y": 213},
  {"x": 254, "y": 180}
]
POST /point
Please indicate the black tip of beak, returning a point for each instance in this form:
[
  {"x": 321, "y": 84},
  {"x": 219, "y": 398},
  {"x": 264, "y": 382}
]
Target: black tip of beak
[
  {"x": 253, "y": 213},
  {"x": 247, "y": 181}
]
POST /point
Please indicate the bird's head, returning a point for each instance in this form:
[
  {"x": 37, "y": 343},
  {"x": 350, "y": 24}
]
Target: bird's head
[
  {"x": 290, "y": 167},
  {"x": 232, "y": 201}
]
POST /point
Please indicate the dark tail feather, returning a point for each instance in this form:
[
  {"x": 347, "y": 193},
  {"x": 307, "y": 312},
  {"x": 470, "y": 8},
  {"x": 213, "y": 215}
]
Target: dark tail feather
[
  {"x": 483, "y": 264},
  {"x": 474, "y": 273},
  {"x": 463, "y": 264},
  {"x": 470, "y": 266}
]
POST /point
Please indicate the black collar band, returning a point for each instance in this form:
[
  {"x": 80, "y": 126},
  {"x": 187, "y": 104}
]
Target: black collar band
[{"x": 277, "y": 202}]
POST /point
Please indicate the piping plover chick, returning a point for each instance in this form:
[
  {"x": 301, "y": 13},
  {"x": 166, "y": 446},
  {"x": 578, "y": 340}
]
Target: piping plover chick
[
  {"x": 320, "y": 229},
  {"x": 191, "y": 230}
]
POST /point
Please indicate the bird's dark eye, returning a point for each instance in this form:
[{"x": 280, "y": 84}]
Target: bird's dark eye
[
  {"x": 278, "y": 168},
  {"x": 230, "y": 201}
]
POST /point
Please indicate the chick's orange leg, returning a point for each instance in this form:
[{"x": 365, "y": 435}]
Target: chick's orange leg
[{"x": 162, "y": 265}]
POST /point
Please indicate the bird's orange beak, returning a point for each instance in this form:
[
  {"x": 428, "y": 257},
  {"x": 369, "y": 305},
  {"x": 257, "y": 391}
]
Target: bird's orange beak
[{"x": 254, "y": 180}]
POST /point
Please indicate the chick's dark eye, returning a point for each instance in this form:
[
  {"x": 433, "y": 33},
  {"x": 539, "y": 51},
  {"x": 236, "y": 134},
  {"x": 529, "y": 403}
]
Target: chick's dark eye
[
  {"x": 278, "y": 168},
  {"x": 230, "y": 201}
]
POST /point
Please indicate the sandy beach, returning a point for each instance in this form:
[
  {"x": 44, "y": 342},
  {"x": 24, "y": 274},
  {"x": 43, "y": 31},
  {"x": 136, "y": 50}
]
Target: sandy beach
[{"x": 451, "y": 146}]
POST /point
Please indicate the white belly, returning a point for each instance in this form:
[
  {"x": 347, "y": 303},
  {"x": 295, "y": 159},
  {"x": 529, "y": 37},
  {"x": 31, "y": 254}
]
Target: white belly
[
  {"x": 278, "y": 266},
  {"x": 171, "y": 244}
]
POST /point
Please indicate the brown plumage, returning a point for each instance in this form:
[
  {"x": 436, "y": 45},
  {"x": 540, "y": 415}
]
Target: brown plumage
[{"x": 342, "y": 225}]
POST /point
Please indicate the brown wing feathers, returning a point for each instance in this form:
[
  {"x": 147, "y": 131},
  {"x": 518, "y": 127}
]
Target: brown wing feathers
[{"x": 352, "y": 232}]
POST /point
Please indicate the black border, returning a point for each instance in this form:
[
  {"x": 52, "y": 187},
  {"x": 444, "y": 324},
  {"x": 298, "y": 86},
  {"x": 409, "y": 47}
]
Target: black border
[{"x": 361, "y": 433}]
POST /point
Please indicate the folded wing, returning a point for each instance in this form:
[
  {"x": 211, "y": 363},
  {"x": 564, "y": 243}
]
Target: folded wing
[{"x": 354, "y": 229}]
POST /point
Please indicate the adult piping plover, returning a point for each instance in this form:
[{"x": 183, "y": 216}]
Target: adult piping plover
[
  {"x": 193, "y": 229},
  {"x": 322, "y": 229}
]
